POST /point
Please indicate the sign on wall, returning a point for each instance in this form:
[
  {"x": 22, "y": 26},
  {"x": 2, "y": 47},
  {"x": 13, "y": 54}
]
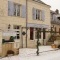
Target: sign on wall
[{"x": 9, "y": 33}]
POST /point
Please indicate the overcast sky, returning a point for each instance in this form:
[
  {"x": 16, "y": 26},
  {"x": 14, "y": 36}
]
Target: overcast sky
[{"x": 55, "y": 4}]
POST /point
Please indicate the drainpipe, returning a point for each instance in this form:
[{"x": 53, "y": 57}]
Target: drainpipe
[{"x": 26, "y": 21}]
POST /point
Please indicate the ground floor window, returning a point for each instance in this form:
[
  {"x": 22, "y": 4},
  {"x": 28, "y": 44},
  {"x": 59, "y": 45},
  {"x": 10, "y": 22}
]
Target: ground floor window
[
  {"x": 31, "y": 33},
  {"x": 36, "y": 34}
]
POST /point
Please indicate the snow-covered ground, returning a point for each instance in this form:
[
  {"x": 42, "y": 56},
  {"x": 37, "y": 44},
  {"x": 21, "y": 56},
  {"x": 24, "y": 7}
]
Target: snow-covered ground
[{"x": 30, "y": 54}]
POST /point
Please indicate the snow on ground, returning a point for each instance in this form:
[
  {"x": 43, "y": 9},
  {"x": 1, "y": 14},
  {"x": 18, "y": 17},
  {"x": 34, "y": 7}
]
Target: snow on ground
[{"x": 30, "y": 54}]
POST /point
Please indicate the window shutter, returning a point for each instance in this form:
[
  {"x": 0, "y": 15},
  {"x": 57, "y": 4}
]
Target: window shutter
[
  {"x": 10, "y": 8},
  {"x": 34, "y": 13},
  {"x": 43, "y": 15},
  {"x": 23, "y": 11}
]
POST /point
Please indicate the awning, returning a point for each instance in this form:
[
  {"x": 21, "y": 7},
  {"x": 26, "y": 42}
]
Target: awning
[{"x": 38, "y": 25}]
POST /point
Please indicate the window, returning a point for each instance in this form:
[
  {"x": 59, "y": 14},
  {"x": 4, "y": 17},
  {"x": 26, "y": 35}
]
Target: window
[
  {"x": 13, "y": 9},
  {"x": 31, "y": 33},
  {"x": 38, "y": 14},
  {"x": 16, "y": 10},
  {"x": 17, "y": 30},
  {"x": 58, "y": 18},
  {"x": 16, "y": 27},
  {"x": 36, "y": 34}
]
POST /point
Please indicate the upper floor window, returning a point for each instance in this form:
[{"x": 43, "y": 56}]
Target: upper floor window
[
  {"x": 15, "y": 9},
  {"x": 38, "y": 14}
]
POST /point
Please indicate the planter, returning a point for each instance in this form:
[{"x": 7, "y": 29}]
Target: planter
[{"x": 54, "y": 46}]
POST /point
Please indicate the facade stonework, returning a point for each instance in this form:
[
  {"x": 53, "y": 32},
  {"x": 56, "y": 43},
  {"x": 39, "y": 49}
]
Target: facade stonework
[{"x": 38, "y": 16}]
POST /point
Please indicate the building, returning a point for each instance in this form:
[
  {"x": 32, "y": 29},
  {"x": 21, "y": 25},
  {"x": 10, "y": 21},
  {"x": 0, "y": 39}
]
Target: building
[
  {"x": 21, "y": 21},
  {"x": 55, "y": 21},
  {"x": 38, "y": 17},
  {"x": 55, "y": 27}
]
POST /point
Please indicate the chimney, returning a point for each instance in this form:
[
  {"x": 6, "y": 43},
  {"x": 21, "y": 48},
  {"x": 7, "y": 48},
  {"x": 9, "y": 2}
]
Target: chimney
[{"x": 57, "y": 11}]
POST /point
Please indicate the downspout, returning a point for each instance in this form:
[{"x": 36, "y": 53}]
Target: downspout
[{"x": 26, "y": 21}]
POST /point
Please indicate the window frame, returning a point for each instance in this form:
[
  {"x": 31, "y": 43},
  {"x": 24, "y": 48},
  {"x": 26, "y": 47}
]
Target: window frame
[
  {"x": 17, "y": 7},
  {"x": 36, "y": 14}
]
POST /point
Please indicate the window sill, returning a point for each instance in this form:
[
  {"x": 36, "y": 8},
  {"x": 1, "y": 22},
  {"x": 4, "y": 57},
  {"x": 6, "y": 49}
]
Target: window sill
[
  {"x": 17, "y": 16},
  {"x": 38, "y": 20}
]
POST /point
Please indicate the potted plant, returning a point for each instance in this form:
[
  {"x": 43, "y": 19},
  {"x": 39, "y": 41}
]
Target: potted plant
[{"x": 11, "y": 39}]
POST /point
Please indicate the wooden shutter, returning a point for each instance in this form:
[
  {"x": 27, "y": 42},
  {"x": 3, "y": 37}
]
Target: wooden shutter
[
  {"x": 34, "y": 13},
  {"x": 10, "y": 8},
  {"x": 43, "y": 15},
  {"x": 23, "y": 11}
]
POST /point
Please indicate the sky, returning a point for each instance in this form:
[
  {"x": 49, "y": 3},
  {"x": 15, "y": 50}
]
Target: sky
[{"x": 55, "y": 4}]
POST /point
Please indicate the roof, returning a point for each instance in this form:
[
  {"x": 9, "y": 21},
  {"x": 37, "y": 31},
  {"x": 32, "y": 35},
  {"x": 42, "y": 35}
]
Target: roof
[
  {"x": 39, "y": 1},
  {"x": 55, "y": 16},
  {"x": 52, "y": 12}
]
